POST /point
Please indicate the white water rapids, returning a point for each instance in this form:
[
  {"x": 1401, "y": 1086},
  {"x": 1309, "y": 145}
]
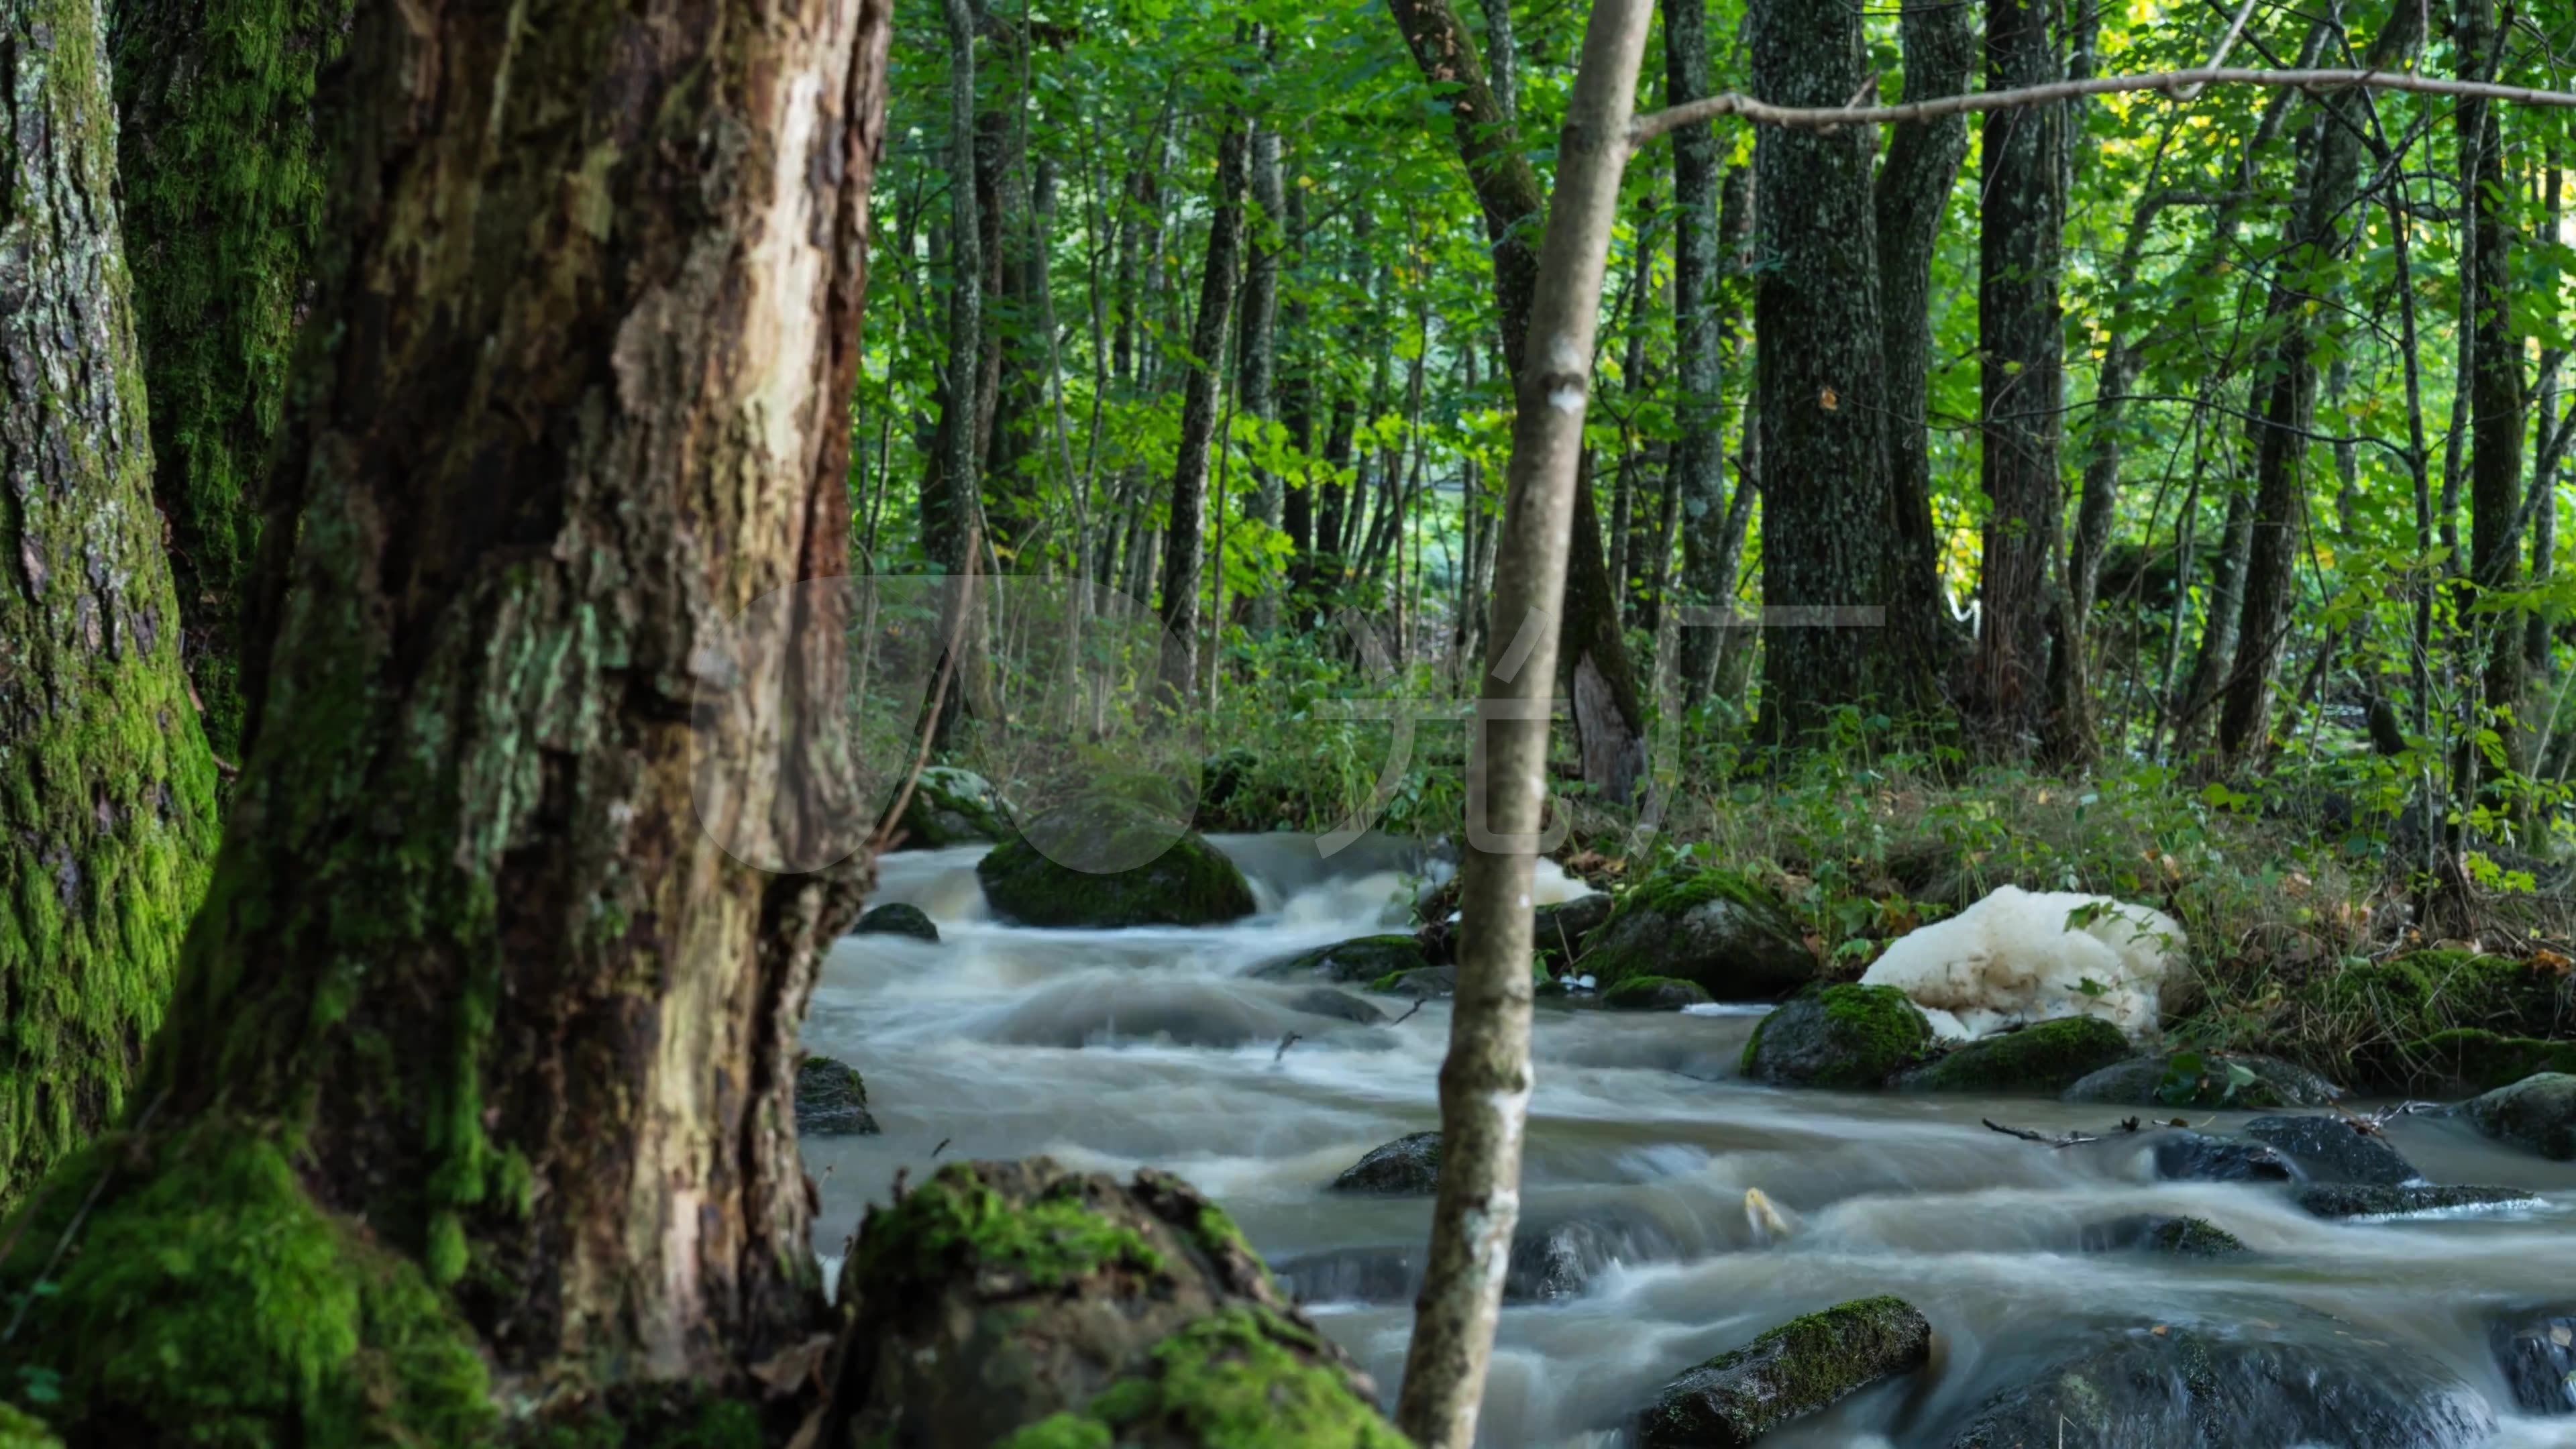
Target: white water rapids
[{"x": 1111, "y": 1050}]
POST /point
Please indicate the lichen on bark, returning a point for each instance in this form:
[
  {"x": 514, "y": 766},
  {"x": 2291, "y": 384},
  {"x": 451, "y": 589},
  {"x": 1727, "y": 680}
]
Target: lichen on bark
[{"x": 106, "y": 790}]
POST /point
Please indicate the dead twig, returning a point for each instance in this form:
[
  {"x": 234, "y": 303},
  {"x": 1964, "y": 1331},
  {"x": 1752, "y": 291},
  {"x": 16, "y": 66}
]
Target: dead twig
[
  {"x": 938, "y": 703},
  {"x": 2129, "y": 1126},
  {"x": 942, "y": 1147},
  {"x": 1408, "y": 1015},
  {"x": 1285, "y": 1042}
]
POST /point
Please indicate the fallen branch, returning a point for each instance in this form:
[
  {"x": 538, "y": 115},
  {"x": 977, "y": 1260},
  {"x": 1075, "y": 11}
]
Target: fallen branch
[
  {"x": 1408, "y": 1015},
  {"x": 1285, "y": 1042},
  {"x": 938, "y": 705},
  {"x": 2129, "y": 1126}
]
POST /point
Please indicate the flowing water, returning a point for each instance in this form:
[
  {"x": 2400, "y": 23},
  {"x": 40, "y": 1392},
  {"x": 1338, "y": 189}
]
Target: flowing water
[{"x": 1111, "y": 1050}]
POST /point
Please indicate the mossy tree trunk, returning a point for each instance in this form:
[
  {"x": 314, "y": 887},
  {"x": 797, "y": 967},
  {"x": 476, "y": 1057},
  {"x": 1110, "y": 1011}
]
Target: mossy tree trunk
[
  {"x": 107, "y": 796},
  {"x": 492, "y": 1004},
  {"x": 223, "y": 196}
]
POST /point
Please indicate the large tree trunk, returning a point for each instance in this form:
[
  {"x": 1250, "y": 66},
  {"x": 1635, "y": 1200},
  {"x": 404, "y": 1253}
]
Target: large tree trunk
[
  {"x": 1913, "y": 191},
  {"x": 1507, "y": 192},
  {"x": 2021, "y": 379},
  {"x": 1183, "y": 542},
  {"x": 1822, "y": 374},
  {"x": 2304, "y": 281},
  {"x": 107, "y": 796},
  {"x": 222, "y": 194},
  {"x": 2494, "y": 382},
  {"x": 478, "y": 1084}
]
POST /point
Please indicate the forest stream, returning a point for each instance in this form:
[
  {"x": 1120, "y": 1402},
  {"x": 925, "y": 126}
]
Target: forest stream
[{"x": 1111, "y": 1050}]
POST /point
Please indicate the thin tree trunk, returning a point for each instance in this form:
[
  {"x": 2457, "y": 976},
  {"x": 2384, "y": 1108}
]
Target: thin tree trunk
[
  {"x": 1485, "y": 1080},
  {"x": 951, "y": 497},
  {"x": 1712, "y": 534},
  {"x": 1260, "y": 345},
  {"x": 107, "y": 792},
  {"x": 479, "y": 1080},
  {"x": 1183, "y": 542},
  {"x": 2494, "y": 383}
]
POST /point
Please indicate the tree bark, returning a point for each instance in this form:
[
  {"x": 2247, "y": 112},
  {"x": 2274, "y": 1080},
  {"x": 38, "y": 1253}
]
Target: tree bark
[
  {"x": 1183, "y": 546},
  {"x": 222, "y": 194},
  {"x": 1913, "y": 191},
  {"x": 2021, "y": 381},
  {"x": 1820, "y": 344},
  {"x": 951, "y": 490},
  {"x": 1711, "y": 534},
  {"x": 1485, "y": 1080},
  {"x": 2494, "y": 382},
  {"x": 107, "y": 793},
  {"x": 478, "y": 1084},
  {"x": 1259, "y": 353}
]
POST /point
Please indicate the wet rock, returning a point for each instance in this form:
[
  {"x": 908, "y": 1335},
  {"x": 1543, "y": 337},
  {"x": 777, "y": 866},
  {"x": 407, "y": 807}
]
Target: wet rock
[
  {"x": 2183, "y": 1237},
  {"x": 2478, "y": 1060},
  {"x": 1428, "y": 982},
  {"x": 2536, "y": 1348},
  {"x": 1407, "y": 1167},
  {"x": 950, "y": 806},
  {"x": 1339, "y": 1005},
  {"x": 2177, "y": 1386},
  {"x": 1558, "y": 931},
  {"x": 1547, "y": 1264},
  {"x": 1728, "y": 934},
  {"x": 1019, "y": 1304},
  {"x": 2363, "y": 1200},
  {"x": 897, "y": 919},
  {"x": 2196, "y": 1157},
  {"x": 1801, "y": 1366},
  {"x": 1181, "y": 880},
  {"x": 1852, "y": 1037},
  {"x": 2207, "y": 1081},
  {"x": 1653, "y": 993},
  {"x": 2334, "y": 1149},
  {"x": 2536, "y": 1114},
  {"x": 1362, "y": 958},
  {"x": 831, "y": 1100},
  {"x": 2047, "y": 1056}
]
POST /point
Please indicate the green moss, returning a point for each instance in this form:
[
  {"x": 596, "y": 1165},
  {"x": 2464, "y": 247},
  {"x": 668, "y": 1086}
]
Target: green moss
[
  {"x": 1797, "y": 1368},
  {"x": 1653, "y": 993},
  {"x": 1244, "y": 1378},
  {"x": 2391, "y": 1011},
  {"x": 2048, "y": 1056},
  {"x": 216, "y": 1295},
  {"x": 1753, "y": 949},
  {"x": 957, "y": 1217},
  {"x": 1850, "y": 1037},
  {"x": 19, "y": 1430},
  {"x": 2484, "y": 1060},
  {"x": 2194, "y": 1238},
  {"x": 1178, "y": 878}
]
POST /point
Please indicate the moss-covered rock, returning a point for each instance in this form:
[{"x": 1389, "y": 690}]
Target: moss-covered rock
[
  {"x": 2399, "y": 1008},
  {"x": 1016, "y": 1303},
  {"x": 2537, "y": 1114},
  {"x": 1182, "y": 880},
  {"x": 2183, "y": 1237},
  {"x": 1851, "y": 1037},
  {"x": 2335, "y": 1149},
  {"x": 2367, "y": 1200},
  {"x": 1339, "y": 1005},
  {"x": 1560, "y": 931},
  {"x": 950, "y": 806},
  {"x": 1362, "y": 958},
  {"x": 1425, "y": 983},
  {"x": 1802, "y": 1366},
  {"x": 1653, "y": 993},
  {"x": 898, "y": 919},
  {"x": 831, "y": 1100},
  {"x": 2046, "y": 1057},
  {"x": 1726, "y": 933},
  {"x": 213, "y": 1301},
  {"x": 1407, "y": 1167},
  {"x": 2207, "y": 1080}
]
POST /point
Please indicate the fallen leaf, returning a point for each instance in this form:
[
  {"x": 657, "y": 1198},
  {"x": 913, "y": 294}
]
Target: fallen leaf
[
  {"x": 1830, "y": 401},
  {"x": 2160, "y": 1330}
]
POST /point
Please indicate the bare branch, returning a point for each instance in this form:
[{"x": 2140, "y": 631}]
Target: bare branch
[{"x": 2177, "y": 83}]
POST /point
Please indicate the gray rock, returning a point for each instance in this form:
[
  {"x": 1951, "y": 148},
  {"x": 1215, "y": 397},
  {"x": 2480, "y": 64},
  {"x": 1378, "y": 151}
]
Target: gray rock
[
  {"x": 1732, "y": 936},
  {"x": 2190, "y": 1079},
  {"x": 1558, "y": 931},
  {"x": 1104, "y": 862},
  {"x": 950, "y": 806},
  {"x": 2537, "y": 1351},
  {"x": 1426, "y": 983},
  {"x": 1548, "y": 1264},
  {"x": 831, "y": 1100},
  {"x": 2362, "y": 1200},
  {"x": 1339, "y": 1005},
  {"x": 1851, "y": 1037},
  {"x": 2536, "y": 1114},
  {"x": 1653, "y": 993},
  {"x": 1407, "y": 1167},
  {"x": 1362, "y": 958},
  {"x": 2193, "y": 1157},
  {"x": 2333, "y": 1149},
  {"x": 897, "y": 919},
  {"x": 1802, "y": 1366}
]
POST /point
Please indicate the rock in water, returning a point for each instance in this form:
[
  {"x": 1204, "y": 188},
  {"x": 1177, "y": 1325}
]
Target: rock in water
[
  {"x": 1800, "y": 1367},
  {"x": 1653, "y": 993},
  {"x": 2335, "y": 1149},
  {"x": 1016, "y": 1304},
  {"x": 1853, "y": 1037},
  {"x": 2020, "y": 956},
  {"x": 2537, "y": 1114},
  {"x": 1362, "y": 958},
  {"x": 897, "y": 919},
  {"x": 1407, "y": 1167},
  {"x": 1558, "y": 932},
  {"x": 2194, "y": 1157},
  {"x": 1175, "y": 879},
  {"x": 2047, "y": 1056},
  {"x": 1729, "y": 935},
  {"x": 831, "y": 1100},
  {"x": 950, "y": 806},
  {"x": 2207, "y": 1081},
  {"x": 2537, "y": 1351},
  {"x": 2356, "y": 1200},
  {"x": 2182, "y": 1237}
]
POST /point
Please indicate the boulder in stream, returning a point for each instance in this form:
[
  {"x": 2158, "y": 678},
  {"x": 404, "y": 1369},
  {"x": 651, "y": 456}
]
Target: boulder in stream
[
  {"x": 897, "y": 919},
  {"x": 1339, "y": 1005},
  {"x": 2046, "y": 1056},
  {"x": 1852, "y": 1037},
  {"x": 1018, "y": 1304},
  {"x": 1726, "y": 933},
  {"x": 1559, "y": 931},
  {"x": 950, "y": 806},
  {"x": 1362, "y": 958},
  {"x": 2209, "y": 1081},
  {"x": 2536, "y": 1114},
  {"x": 1653, "y": 993},
  {"x": 2183, "y": 1237},
  {"x": 2198, "y": 1157},
  {"x": 2335, "y": 1149},
  {"x": 1421, "y": 983},
  {"x": 2365, "y": 1200},
  {"x": 1802, "y": 1366},
  {"x": 831, "y": 1100},
  {"x": 2536, "y": 1348},
  {"x": 1407, "y": 1167},
  {"x": 1548, "y": 1263},
  {"x": 1181, "y": 881},
  {"x": 2171, "y": 1384}
]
